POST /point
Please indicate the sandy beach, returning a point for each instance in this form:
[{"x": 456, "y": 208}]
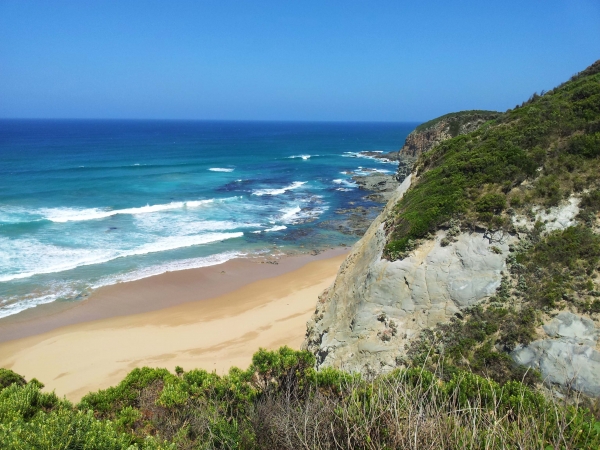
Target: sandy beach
[{"x": 211, "y": 318}]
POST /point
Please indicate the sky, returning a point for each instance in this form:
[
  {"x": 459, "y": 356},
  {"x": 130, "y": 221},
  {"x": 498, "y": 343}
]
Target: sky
[{"x": 322, "y": 60}]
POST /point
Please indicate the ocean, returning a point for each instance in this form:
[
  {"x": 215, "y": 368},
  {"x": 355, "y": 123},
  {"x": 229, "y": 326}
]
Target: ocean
[{"x": 84, "y": 204}]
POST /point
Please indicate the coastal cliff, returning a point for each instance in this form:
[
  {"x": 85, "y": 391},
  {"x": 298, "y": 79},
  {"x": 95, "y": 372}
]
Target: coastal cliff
[
  {"x": 429, "y": 134},
  {"x": 486, "y": 256}
]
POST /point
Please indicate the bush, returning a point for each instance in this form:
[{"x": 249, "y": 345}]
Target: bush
[{"x": 558, "y": 131}]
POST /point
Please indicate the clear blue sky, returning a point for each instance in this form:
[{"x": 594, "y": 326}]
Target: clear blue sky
[{"x": 288, "y": 60}]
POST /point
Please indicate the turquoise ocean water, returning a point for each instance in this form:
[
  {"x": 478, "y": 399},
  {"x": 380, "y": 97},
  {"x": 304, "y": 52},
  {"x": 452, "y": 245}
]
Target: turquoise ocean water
[{"x": 85, "y": 204}]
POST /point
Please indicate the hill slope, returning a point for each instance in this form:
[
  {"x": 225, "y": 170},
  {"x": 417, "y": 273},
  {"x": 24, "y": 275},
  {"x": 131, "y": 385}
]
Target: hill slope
[{"x": 494, "y": 235}]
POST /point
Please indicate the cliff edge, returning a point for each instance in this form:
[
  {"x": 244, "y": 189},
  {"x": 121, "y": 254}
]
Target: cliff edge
[{"x": 486, "y": 257}]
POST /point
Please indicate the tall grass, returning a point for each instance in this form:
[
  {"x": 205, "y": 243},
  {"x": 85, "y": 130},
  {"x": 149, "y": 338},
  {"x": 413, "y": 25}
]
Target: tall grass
[
  {"x": 412, "y": 410},
  {"x": 281, "y": 402}
]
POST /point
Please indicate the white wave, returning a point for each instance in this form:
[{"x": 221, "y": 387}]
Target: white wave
[
  {"x": 221, "y": 169},
  {"x": 61, "y": 215},
  {"x": 363, "y": 171},
  {"x": 345, "y": 183},
  {"x": 173, "y": 266},
  {"x": 276, "y": 228},
  {"x": 31, "y": 302},
  {"x": 289, "y": 214},
  {"x": 343, "y": 189},
  {"x": 304, "y": 157},
  {"x": 18, "y": 214},
  {"x": 21, "y": 303},
  {"x": 360, "y": 155},
  {"x": 296, "y": 214},
  {"x": 37, "y": 258},
  {"x": 294, "y": 185},
  {"x": 185, "y": 224}
]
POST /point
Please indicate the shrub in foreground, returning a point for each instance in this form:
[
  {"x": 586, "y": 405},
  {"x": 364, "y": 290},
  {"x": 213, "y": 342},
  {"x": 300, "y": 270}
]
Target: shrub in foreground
[{"x": 281, "y": 402}]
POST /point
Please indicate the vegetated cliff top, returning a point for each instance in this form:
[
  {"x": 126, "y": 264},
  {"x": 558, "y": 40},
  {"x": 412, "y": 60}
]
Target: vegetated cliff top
[
  {"x": 535, "y": 154},
  {"x": 458, "y": 116},
  {"x": 429, "y": 134}
]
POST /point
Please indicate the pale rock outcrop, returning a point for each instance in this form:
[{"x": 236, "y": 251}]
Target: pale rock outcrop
[
  {"x": 569, "y": 356},
  {"x": 363, "y": 321},
  {"x": 554, "y": 218},
  {"x": 375, "y": 307}
]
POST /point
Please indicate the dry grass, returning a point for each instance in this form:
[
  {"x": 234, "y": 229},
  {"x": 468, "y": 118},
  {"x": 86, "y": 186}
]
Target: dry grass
[{"x": 415, "y": 416}]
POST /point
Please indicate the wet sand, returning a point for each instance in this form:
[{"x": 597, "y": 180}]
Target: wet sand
[{"x": 211, "y": 318}]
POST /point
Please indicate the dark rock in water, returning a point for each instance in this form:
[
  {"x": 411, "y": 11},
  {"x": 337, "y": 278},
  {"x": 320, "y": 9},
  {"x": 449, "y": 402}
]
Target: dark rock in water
[
  {"x": 391, "y": 156},
  {"x": 381, "y": 185},
  {"x": 294, "y": 234},
  {"x": 353, "y": 221},
  {"x": 406, "y": 161}
]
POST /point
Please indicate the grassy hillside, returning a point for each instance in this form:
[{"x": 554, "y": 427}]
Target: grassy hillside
[
  {"x": 457, "y": 118},
  {"x": 281, "y": 402},
  {"x": 535, "y": 155},
  {"x": 550, "y": 142}
]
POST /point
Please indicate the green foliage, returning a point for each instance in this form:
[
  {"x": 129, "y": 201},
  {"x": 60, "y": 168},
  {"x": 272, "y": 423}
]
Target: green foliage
[
  {"x": 559, "y": 267},
  {"x": 31, "y": 419},
  {"x": 462, "y": 177},
  {"x": 8, "y": 377},
  {"x": 458, "y": 117},
  {"x": 493, "y": 203},
  {"x": 470, "y": 343},
  {"x": 282, "y": 402},
  {"x": 107, "y": 402}
]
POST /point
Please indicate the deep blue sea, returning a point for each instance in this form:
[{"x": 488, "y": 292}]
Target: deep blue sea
[{"x": 85, "y": 204}]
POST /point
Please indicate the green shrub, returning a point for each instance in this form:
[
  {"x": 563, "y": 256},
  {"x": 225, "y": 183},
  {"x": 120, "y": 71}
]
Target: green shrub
[
  {"x": 500, "y": 157},
  {"x": 8, "y": 377},
  {"x": 108, "y": 402}
]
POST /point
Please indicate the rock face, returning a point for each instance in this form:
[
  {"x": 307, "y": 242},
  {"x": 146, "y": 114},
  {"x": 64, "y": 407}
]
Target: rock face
[
  {"x": 431, "y": 133},
  {"x": 374, "y": 307},
  {"x": 569, "y": 356}
]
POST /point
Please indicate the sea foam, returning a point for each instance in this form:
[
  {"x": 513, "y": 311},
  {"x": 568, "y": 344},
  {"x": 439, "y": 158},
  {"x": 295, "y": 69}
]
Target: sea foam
[
  {"x": 62, "y": 215},
  {"x": 276, "y": 228},
  {"x": 37, "y": 258},
  {"x": 12, "y": 306},
  {"x": 304, "y": 157},
  {"x": 294, "y": 185}
]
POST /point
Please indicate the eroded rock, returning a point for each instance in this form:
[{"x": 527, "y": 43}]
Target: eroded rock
[
  {"x": 568, "y": 357},
  {"x": 428, "y": 287}
]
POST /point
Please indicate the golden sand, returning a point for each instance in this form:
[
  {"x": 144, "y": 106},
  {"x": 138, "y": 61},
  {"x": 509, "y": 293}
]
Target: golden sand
[{"x": 213, "y": 333}]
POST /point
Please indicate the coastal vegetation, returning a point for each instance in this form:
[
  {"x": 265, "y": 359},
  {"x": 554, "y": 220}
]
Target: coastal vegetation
[
  {"x": 457, "y": 385},
  {"x": 457, "y": 118},
  {"x": 281, "y": 402},
  {"x": 538, "y": 153}
]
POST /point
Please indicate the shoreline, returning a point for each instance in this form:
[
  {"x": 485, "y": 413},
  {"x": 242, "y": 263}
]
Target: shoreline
[
  {"x": 155, "y": 292},
  {"x": 212, "y": 318}
]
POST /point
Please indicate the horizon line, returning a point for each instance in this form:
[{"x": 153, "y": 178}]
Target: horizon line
[{"x": 203, "y": 120}]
